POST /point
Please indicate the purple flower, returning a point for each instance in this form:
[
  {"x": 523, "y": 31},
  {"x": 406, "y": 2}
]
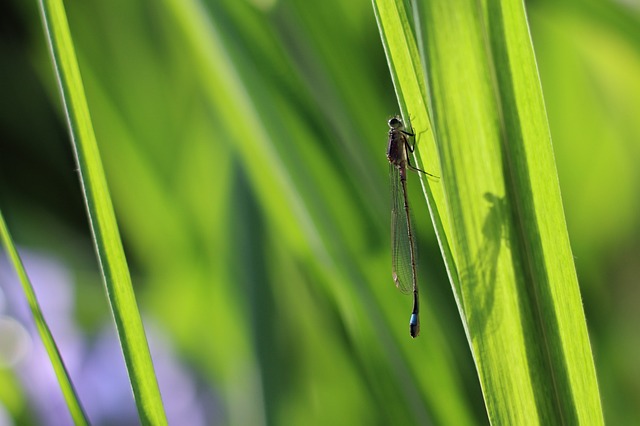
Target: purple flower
[{"x": 96, "y": 366}]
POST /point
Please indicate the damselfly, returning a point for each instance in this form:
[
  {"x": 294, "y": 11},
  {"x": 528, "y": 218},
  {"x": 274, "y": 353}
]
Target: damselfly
[{"x": 403, "y": 246}]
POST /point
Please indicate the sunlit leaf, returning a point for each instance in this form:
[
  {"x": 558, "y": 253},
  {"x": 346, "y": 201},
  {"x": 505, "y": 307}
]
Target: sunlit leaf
[{"x": 510, "y": 261}]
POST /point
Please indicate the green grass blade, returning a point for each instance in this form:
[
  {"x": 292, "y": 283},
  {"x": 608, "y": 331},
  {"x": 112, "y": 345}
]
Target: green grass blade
[
  {"x": 69, "y": 392},
  {"x": 101, "y": 214},
  {"x": 504, "y": 219}
]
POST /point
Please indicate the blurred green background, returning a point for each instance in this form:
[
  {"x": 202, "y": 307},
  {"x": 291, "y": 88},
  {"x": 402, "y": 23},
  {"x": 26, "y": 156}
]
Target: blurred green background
[{"x": 244, "y": 147}]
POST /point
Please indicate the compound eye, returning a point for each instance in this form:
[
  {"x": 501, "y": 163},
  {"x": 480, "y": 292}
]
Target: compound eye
[{"x": 395, "y": 122}]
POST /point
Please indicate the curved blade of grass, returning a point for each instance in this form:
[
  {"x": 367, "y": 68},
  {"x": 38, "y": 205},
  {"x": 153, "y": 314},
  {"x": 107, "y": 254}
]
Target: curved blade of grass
[
  {"x": 520, "y": 298},
  {"x": 107, "y": 238},
  {"x": 69, "y": 392}
]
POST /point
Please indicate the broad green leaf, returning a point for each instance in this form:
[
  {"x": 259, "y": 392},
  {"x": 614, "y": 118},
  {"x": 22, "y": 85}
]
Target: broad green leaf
[
  {"x": 107, "y": 239},
  {"x": 500, "y": 209},
  {"x": 69, "y": 392}
]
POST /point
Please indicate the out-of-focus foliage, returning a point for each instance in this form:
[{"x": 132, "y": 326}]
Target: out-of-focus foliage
[
  {"x": 62, "y": 375},
  {"x": 244, "y": 149}
]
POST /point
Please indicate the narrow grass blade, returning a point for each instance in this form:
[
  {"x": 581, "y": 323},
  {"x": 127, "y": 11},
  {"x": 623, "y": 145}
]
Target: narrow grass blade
[
  {"x": 517, "y": 292},
  {"x": 101, "y": 214},
  {"x": 69, "y": 392}
]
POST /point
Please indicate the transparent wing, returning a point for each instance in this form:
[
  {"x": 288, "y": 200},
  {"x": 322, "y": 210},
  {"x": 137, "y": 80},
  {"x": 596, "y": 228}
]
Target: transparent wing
[{"x": 400, "y": 225}]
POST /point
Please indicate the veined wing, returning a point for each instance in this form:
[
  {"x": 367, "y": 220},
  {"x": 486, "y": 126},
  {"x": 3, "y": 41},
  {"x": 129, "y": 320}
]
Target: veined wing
[{"x": 400, "y": 242}]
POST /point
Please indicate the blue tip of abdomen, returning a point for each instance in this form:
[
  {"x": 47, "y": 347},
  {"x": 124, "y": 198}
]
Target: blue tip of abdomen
[
  {"x": 414, "y": 319},
  {"x": 414, "y": 325}
]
